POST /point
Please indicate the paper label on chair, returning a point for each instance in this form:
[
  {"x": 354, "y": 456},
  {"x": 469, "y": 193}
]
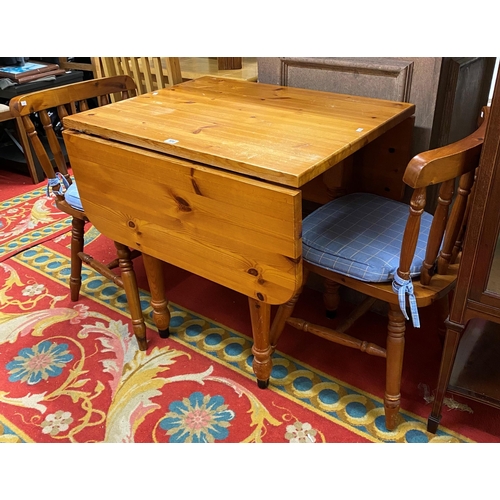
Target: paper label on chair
[{"x": 171, "y": 141}]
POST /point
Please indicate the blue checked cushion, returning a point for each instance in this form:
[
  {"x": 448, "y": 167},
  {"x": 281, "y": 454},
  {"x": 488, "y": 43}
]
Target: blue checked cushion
[
  {"x": 72, "y": 197},
  {"x": 360, "y": 235}
]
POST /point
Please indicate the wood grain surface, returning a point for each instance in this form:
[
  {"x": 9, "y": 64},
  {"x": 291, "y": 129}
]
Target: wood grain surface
[
  {"x": 279, "y": 134},
  {"x": 236, "y": 231}
]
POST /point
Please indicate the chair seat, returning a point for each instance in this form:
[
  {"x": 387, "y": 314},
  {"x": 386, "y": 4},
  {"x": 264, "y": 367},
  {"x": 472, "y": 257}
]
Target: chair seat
[
  {"x": 72, "y": 197},
  {"x": 359, "y": 235}
]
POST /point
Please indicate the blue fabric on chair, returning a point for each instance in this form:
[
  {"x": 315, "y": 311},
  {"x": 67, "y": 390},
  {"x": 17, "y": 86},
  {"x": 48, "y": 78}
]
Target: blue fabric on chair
[
  {"x": 58, "y": 180},
  {"x": 72, "y": 197},
  {"x": 403, "y": 288},
  {"x": 359, "y": 235}
]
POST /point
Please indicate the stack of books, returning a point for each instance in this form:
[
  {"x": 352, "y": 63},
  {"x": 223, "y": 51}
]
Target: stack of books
[{"x": 30, "y": 71}]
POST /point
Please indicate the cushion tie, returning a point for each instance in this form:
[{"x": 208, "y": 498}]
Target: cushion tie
[
  {"x": 58, "y": 179},
  {"x": 403, "y": 287}
]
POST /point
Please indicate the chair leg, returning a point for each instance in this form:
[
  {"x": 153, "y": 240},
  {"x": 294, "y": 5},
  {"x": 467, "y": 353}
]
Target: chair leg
[
  {"x": 132, "y": 293},
  {"x": 331, "y": 297},
  {"x": 449, "y": 352},
  {"x": 77, "y": 238},
  {"x": 394, "y": 365}
]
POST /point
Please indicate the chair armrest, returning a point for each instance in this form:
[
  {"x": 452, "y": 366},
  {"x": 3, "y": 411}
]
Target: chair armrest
[{"x": 447, "y": 162}]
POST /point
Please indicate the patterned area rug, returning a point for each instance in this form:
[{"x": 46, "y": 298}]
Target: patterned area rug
[
  {"x": 27, "y": 220},
  {"x": 72, "y": 373}
]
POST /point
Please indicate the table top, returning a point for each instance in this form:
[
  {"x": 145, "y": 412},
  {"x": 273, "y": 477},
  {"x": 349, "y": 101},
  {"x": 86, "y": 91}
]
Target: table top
[{"x": 279, "y": 134}]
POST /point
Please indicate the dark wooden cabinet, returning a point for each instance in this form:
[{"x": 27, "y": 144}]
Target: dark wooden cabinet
[{"x": 471, "y": 358}]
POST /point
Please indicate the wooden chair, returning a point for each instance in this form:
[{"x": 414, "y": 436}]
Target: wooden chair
[
  {"x": 372, "y": 245},
  {"x": 149, "y": 73},
  {"x": 70, "y": 99},
  {"x": 70, "y": 65}
]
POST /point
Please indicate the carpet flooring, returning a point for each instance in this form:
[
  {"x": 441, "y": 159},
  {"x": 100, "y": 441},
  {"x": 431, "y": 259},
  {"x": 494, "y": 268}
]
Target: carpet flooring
[{"x": 71, "y": 372}]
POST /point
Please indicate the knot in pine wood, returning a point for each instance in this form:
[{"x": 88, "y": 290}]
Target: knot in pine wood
[{"x": 182, "y": 204}]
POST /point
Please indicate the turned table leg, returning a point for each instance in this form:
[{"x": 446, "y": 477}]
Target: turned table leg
[
  {"x": 161, "y": 313},
  {"x": 260, "y": 315}
]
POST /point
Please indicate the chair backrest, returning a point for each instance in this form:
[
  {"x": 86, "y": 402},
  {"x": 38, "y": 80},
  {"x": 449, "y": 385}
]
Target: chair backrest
[
  {"x": 149, "y": 73},
  {"x": 65, "y": 100},
  {"x": 453, "y": 167}
]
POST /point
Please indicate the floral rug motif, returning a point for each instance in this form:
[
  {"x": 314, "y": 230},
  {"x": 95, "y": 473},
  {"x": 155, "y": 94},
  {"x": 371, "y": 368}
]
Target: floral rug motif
[
  {"x": 71, "y": 372},
  {"x": 29, "y": 219}
]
